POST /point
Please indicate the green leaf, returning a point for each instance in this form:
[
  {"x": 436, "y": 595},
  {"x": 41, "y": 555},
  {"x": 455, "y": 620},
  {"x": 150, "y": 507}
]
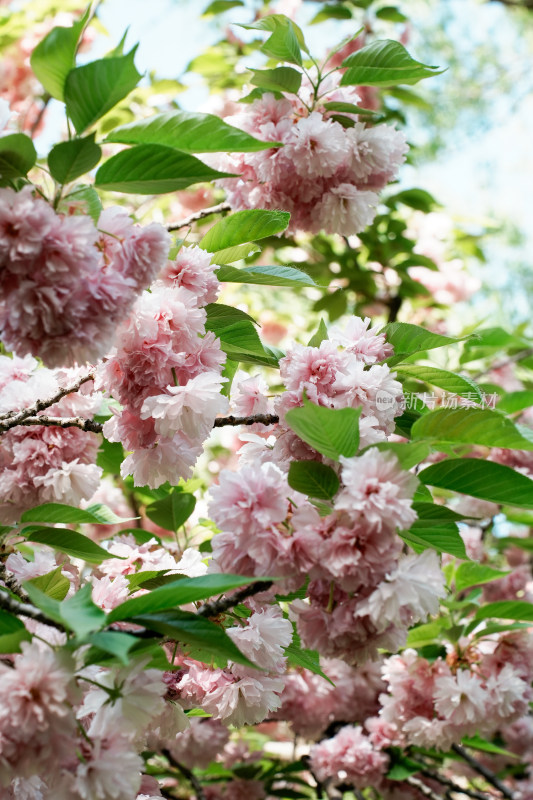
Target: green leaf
[
  {"x": 231, "y": 254},
  {"x": 409, "y": 454},
  {"x": 181, "y": 592},
  {"x": 334, "y": 432},
  {"x": 314, "y": 479},
  {"x": 116, "y": 643},
  {"x": 80, "y": 614},
  {"x": 55, "y": 56},
  {"x": 88, "y": 196},
  {"x": 173, "y": 511},
  {"x": 407, "y": 339},
  {"x": 219, "y": 6},
  {"x": 507, "y": 609},
  {"x": 449, "y": 381},
  {"x": 220, "y": 316},
  {"x": 391, "y": 14},
  {"x": 298, "y": 656},
  {"x": 96, "y": 514},
  {"x": 331, "y": 12},
  {"x": 286, "y": 39},
  {"x": 471, "y": 574},
  {"x": 480, "y": 426},
  {"x": 70, "y": 542},
  {"x": 384, "y": 63},
  {"x": 244, "y": 226},
  {"x": 279, "y": 79},
  {"x": 266, "y": 276},
  {"x": 414, "y": 198},
  {"x": 17, "y": 156},
  {"x": 48, "y": 605},
  {"x": 12, "y": 633},
  {"x": 240, "y": 342},
  {"x": 153, "y": 169},
  {"x": 190, "y": 132},
  {"x": 93, "y": 89},
  {"x": 515, "y": 401},
  {"x": 347, "y": 108},
  {"x": 425, "y": 510},
  {"x": 320, "y": 335},
  {"x": 183, "y": 626},
  {"x": 69, "y": 160},
  {"x": 478, "y": 743},
  {"x": 425, "y": 634},
  {"x": 440, "y": 535},
  {"x": 486, "y": 480},
  {"x": 53, "y": 584}
]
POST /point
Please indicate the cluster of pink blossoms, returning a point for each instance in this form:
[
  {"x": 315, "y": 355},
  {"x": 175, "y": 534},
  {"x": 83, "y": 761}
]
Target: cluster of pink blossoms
[
  {"x": 361, "y": 595},
  {"x": 166, "y": 373},
  {"x": 436, "y": 704},
  {"x": 239, "y": 695},
  {"x": 340, "y": 373},
  {"x": 326, "y": 175},
  {"x": 44, "y": 704},
  {"x": 40, "y": 464},
  {"x": 65, "y": 284}
]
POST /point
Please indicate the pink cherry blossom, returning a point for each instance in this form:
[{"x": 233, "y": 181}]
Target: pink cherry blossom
[
  {"x": 349, "y": 757},
  {"x": 376, "y": 488}
]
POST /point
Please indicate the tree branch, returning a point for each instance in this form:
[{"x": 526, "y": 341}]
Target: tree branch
[
  {"x": 204, "y": 212},
  {"x": 90, "y": 426},
  {"x": 13, "y": 606},
  {"x": 191, "y": 777},
  {"x": 12, "y": 418},
  {"x": 453, "y": 787},
  {"x": 264, "y": 419},
  {"x": 489, "y": 776},
  {"x": 220, "y": 606},
  {"x": 422, "y": 788}
]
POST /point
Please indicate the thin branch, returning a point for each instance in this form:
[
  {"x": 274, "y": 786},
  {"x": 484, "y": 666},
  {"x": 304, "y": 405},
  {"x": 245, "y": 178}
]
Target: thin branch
[
  {"x": 12, "y": 418},
  {"x": 87, "y": 425},
  {"x": 13, "y": 606},
  {"x": 505, "y": 362},
  {"x": 423, "y": 788},
  {"x": 221, "y": 606},
  {"x": 204, "y": 212},
  {"x": 90, "y": 426},
  {"x": 45, "y": 99},
  {"x": 191, "y": 777},
  {"x": 454, "y": 787},
  {"x": 264, "y": 419},
  {"x": 489, "y": 776},
  {"x": 12, "y": 584}
]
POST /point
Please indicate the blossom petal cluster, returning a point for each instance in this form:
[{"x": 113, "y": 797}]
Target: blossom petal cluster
[
  {"x": 66, "y": 283},
  {"x": 166, "y": 373},
  {"x": 326, "y": 175}
]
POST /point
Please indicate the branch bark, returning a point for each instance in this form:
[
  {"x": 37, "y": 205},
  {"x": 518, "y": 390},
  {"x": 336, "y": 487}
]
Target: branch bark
[
  {"x": 489, "y": 776},
  {"x": 90, "y": 426},
  {"x": 13, "y": 606},
  {"x": 187, "y": 773},
  {"x": 12, "y": 418},
  {"x": 221, "y": 606},
  {"x": 204, "y": 212}
]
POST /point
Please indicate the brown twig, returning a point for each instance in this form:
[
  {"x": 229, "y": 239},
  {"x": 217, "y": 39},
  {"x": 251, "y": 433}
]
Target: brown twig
[
  {"x": 90, "y": 426},
  {"x": 264, "y": 419},
  {"x": 45, "y": 100},
  {"x": 422, "y": 788},
  {"x": 453, "y": 787},
  {"x": 13, "y": 606},
  {"x": 186, "y": 772},
  {"x": 198, "y": 215},
  {"x": 489, "y": 776},
  {"x": 221, "y": 606},
  {"x": 12, "y": 418}
]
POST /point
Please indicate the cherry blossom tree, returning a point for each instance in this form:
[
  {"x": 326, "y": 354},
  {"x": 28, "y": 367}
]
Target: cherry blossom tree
[{"x": 265, "y": 527}]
